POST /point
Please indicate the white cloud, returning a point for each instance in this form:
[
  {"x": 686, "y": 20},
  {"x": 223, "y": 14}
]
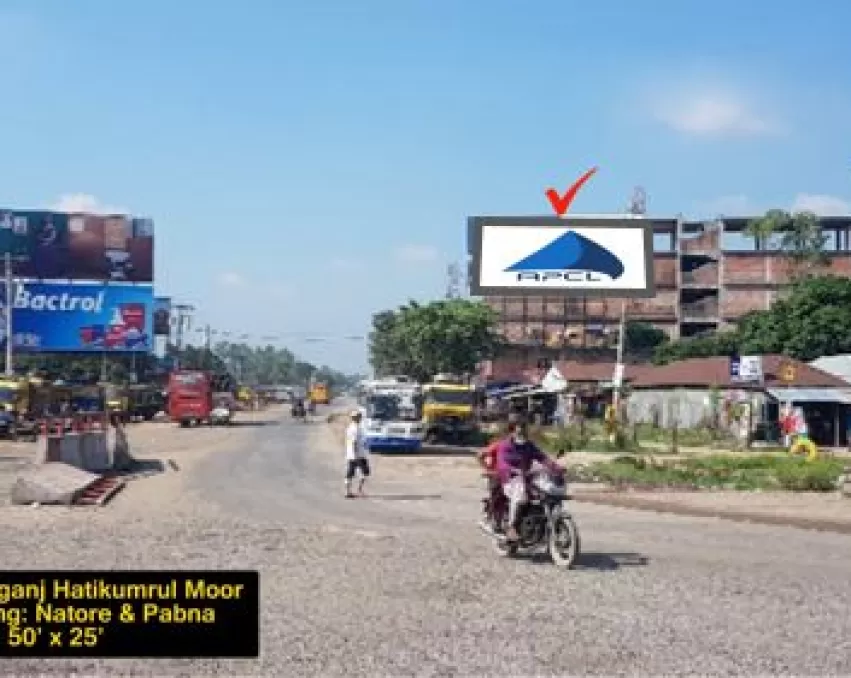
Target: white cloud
[
  {"x": 83, "y": 202},
  {"x": 416, "y": 254},
  {"x": 711, "y": 111},
  {"x": 232, "y": 279},
  {"x": 823, "y": 205}
]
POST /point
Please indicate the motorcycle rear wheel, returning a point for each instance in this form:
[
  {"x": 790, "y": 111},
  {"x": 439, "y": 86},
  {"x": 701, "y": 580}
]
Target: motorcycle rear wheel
[{"x": 564, "y": 542}]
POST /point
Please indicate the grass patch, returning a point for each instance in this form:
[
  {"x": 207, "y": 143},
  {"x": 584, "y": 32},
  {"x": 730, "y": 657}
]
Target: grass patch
[{"x": 753, "y": 472}]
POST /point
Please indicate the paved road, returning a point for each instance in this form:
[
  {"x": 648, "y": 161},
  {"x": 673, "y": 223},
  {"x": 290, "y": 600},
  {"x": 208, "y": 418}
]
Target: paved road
[{"x": 403, "y": 583}]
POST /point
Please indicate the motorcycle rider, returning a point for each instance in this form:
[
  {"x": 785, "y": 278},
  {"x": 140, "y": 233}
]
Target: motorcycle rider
[
  {"x": 514, "y": 459},
  {"x": 487, "y": 457}
]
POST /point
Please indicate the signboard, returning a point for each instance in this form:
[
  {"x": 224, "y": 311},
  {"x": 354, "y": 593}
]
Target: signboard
[
  {"x": 746, "y": 368},
  {"x": 551, "y": 256},
  {"x": 59, "y": 246},
  {"x": 162, "y": 316},
  {"x": 66, "y": 317}
]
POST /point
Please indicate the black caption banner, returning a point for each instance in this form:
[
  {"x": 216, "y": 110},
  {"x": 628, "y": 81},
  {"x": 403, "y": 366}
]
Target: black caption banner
[{"x": 129, "y": 614}]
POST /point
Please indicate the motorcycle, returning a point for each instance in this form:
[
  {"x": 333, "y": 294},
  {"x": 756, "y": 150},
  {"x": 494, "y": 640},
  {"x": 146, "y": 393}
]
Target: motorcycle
[{"x": 543, "y": 523}]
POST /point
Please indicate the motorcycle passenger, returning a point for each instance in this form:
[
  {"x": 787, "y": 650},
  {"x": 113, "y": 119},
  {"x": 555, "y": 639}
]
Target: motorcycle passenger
[
  {"x": 515, "y": 457},
  {"x": 487, "y": 458}
]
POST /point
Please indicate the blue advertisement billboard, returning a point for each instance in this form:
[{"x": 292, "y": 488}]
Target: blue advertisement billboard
[{"x": 91, "y": 318}]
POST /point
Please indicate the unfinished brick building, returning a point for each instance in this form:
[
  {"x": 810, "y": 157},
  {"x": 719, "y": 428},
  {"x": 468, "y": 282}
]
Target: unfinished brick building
[{"x": 708, "y": 275}]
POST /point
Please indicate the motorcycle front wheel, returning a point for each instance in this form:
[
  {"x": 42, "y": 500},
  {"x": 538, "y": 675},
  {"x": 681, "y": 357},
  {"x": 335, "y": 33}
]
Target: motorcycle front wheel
[{"x": 564, "y": 543}]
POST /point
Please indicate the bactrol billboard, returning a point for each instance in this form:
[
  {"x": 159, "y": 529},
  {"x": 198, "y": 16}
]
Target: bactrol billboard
[
  {"x": 576, "y": 256},
  {"x": 82, "y": 317},
  {"x": 59, "y": 246},
  {"x": 162, "y": 316}
]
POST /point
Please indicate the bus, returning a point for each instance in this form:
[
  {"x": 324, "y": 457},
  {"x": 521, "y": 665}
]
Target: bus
[{"x": 392, "y": 413}]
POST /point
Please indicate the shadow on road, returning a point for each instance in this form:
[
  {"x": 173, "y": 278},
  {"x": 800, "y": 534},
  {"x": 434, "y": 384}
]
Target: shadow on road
[
  {"x": 603, "y": 562},
  {"x": 428, "y": 452},
  {"x": 404, "y": 497},
  {"x": 610, "y": 561},
  {"x": 250, "y": 424},
  {"x": 144, "y": 468}
]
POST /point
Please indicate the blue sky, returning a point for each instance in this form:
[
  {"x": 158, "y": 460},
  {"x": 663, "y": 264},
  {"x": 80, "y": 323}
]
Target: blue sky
[{"x": 310, "y": 163}]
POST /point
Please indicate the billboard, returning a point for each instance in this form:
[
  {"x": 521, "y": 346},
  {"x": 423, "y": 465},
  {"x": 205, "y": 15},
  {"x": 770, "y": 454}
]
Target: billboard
[
  {"x": 162, "y": 316},
  {"x": 551, "y": 256},
  {"x": 66, "y": 317},
  {"x": 59, "y": 246}
]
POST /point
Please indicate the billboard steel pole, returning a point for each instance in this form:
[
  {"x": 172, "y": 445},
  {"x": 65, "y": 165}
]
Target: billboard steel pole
[{"x": 7, "y": 262}]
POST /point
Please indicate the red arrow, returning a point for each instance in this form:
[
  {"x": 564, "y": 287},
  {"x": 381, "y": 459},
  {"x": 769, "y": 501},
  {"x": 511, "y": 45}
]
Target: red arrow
[{"x": 562, "y": 203}]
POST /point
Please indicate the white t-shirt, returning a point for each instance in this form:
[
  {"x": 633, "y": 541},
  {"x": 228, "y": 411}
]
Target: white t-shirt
[{"x": 355, "y": 448}]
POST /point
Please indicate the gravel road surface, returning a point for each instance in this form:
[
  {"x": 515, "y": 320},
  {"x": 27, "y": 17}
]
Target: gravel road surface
[{"x": 402, "y": 583}]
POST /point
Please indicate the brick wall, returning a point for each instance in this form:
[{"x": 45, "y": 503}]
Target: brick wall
[
  {"x": 705, "y": 242},
  {"x": 735, "y": 303},
  {"x": 662, "y": 306},
  {"x": 743, "y": 268},
  {"x": 665, "y": 271}
]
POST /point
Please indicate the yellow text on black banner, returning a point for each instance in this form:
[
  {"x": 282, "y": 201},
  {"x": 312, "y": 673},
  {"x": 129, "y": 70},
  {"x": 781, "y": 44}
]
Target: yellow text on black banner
[{"x": 129, "y": 614}]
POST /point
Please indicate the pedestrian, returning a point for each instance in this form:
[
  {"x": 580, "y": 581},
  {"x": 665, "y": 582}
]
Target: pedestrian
[{"x": 356, "y": 455}]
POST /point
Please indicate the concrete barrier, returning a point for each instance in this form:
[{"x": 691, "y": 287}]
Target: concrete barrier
[
  {"x": 95, "y": 451},
  {"x": 54, "y": 483}
]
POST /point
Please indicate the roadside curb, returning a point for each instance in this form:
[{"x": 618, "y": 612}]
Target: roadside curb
[{"x": 675, "y": 508}]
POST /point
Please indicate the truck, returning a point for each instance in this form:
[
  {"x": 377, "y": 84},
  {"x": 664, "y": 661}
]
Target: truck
[
  {"x": 392, "y": 414},
  {"x": 449, "y": 411},
  {"x": 19, "y": 406},
  {"x": 145, "y": 401},
  {"x": 319, "y": 393}
]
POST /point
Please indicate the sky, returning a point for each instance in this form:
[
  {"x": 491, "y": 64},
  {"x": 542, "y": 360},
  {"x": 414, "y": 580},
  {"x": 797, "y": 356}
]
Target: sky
[{"x": 310, "y": 163}]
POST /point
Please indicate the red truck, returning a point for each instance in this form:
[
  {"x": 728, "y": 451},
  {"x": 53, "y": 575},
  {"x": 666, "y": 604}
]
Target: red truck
[{"x": 190, "y": 396}]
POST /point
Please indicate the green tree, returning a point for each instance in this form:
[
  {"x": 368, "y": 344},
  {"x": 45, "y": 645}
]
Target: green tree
[
  {"x": 450, "y": 335},
  {"x": 801, "y": 238},
  {"x": 642, "y": 337},
  {"x": 814, "y": 320}
]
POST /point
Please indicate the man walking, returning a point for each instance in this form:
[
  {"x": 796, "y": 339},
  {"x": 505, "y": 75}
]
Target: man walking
[{"x": 356, "y": 455}]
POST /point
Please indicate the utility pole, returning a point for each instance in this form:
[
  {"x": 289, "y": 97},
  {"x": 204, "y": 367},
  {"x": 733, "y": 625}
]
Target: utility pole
[
  {"x": 10, "y": 304},
  {"x": 208, "y": 346},
  {"x": 182, "y": 321},
  {"x": 637, "y": 209}
]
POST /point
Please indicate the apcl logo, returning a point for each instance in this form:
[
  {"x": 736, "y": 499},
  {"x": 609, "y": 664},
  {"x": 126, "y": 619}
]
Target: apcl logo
[{"x": 571, "y": 257}]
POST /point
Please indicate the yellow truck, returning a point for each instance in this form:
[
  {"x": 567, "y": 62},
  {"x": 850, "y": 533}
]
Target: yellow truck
[
  {"x": 319, "y": 393},
  {"x": 449, "y": 412}
]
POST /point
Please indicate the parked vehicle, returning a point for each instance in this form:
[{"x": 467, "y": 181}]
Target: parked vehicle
[
  {"x": 544, "y": 523},
  {"x": 145, "y": 401},
  {"x": 449, "y": 411},
  {"x": 20, "y": 402}
]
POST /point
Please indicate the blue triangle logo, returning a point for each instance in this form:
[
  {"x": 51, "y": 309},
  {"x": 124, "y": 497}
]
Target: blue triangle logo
[{"x": 571, "y": 252}]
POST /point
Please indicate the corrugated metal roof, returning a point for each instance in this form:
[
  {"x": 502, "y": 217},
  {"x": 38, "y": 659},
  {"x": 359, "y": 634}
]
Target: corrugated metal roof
[
  {"x": 837, "y": 365},
  {"x": 811, "y": 395}
]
